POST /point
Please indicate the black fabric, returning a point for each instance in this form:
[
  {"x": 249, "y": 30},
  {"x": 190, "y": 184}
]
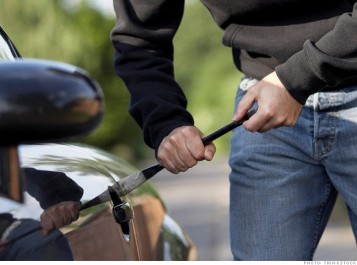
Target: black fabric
[
  {"x": 6, "y": 220},
  {"x": 50, "y": 187}
]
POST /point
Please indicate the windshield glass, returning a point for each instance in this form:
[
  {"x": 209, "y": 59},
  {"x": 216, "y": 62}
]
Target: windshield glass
[{"x": 7, "y": 48}]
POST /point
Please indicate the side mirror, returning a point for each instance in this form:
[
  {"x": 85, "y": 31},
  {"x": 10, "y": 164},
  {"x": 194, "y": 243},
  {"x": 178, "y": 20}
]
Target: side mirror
[
  {"x": 40, "y": 101},
  {"x": 46, "y": 101}
]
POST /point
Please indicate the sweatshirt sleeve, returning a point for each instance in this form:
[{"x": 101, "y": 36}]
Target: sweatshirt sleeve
[
  {"x": 143, "y": 41},
  {"x": 51, "y": 187},
  {"x": 329, "y": 63}
]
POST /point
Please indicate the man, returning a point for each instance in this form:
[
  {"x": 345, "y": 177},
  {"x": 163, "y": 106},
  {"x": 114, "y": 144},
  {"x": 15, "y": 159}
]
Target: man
[{"x": 300, "y": 62}]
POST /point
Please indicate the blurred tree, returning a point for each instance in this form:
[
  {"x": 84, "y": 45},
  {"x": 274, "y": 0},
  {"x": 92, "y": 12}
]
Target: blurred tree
[
  {"x": 75, "y": 32},
  {"x": 205, "y": 69}
]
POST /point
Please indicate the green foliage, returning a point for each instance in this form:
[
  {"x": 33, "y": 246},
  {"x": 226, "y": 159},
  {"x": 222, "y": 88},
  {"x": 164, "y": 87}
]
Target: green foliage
[
  {"x": 80, "y": 35},
  {"x": 205, "y": 69}
]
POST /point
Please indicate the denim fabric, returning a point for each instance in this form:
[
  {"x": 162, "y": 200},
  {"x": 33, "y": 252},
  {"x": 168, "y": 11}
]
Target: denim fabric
[{"x": 284, "y": 182}]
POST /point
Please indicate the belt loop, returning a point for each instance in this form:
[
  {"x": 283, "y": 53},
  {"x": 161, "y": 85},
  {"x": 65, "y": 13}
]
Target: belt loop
[{"x": 247, "y": 83}]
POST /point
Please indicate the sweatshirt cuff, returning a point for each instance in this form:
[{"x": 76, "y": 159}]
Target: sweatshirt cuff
[
  {"x": 299, "y": 76},
  {"x": 159, "y": 129}
]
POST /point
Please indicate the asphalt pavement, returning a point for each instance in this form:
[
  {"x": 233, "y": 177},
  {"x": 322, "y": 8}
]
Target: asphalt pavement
[{"x": 199, "y": 200}]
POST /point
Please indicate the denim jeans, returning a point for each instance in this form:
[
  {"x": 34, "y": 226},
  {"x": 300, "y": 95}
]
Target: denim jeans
[{"x": 284, "y": 183}]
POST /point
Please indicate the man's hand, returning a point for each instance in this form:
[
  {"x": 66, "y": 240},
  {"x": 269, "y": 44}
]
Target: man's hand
[
  {"x": 183, "y": 148},
  {"x": 59, "y": 215},
  {"x": 276, "y": 106}
]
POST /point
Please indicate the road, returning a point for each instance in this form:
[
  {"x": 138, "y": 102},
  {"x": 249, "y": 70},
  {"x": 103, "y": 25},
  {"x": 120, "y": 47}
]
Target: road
[{"x": 198, "y": 199}]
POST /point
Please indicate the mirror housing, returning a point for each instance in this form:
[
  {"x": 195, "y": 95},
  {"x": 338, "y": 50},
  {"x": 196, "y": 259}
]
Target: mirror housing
[
  {"x": 40, "y": 101},
  {"x": 46, "y": 101}
]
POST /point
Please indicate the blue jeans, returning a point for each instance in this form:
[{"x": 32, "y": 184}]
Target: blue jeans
[{"x": 284, "y": 182}]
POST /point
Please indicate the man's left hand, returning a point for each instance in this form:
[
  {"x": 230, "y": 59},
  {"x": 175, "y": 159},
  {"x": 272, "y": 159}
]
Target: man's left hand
[{"x": 276, "y": 107}]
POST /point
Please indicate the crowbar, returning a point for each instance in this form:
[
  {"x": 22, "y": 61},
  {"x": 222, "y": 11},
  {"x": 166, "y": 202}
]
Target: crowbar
[{"x": 131, "y": 182}]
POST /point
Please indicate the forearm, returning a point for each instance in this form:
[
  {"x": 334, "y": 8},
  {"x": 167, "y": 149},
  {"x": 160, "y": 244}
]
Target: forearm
[{"x": 143, "y": 38}]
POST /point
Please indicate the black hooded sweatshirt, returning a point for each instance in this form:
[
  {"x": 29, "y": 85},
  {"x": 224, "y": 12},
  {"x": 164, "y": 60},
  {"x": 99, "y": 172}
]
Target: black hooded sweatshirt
[{"x": 312, "y": 46}]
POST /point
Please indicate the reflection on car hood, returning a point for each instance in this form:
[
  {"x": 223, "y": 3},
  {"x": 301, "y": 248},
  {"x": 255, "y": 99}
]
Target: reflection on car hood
[{"x": 90, "y": 168}]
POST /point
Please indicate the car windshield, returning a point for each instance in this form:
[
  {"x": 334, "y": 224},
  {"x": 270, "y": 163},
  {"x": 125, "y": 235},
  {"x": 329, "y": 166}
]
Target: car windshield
[
  {"x": 5, "y": 53},
  {"x": 7, "y": 49}
]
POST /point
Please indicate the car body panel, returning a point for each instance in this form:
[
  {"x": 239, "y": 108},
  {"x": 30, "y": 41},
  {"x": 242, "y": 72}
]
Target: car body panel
[{"x": 153, "y": 234}]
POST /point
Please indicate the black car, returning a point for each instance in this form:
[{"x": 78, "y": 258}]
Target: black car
[{"x": 44, "y": 105}]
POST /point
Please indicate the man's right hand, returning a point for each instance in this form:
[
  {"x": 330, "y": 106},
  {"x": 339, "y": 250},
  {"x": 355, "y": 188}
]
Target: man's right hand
[{"x": 183, "y": 148}]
